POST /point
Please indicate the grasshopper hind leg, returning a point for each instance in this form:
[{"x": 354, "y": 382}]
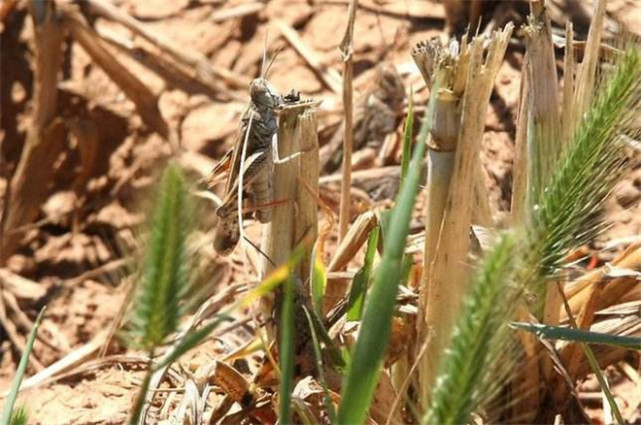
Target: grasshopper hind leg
[
  {"x": 262, "y": 197},
  {"x": 258, "y": 173},
  {"x": 227, "y": 231}
]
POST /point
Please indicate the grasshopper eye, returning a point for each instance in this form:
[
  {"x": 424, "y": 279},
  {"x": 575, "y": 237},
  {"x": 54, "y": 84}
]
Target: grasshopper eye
[
  {"x": 263, "y": 94},
  {"x": 257, "y": 89}
]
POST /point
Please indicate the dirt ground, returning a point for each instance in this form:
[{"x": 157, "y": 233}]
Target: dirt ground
[{"x": 73, "y": 255}]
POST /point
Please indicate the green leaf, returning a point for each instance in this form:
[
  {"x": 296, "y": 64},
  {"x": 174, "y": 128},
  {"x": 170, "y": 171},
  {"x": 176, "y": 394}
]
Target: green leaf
[
  {"x": 584, "y": 338},
  {"x": 361, "y": 280},
  {"x": 373, "y": 338},
  {"x": 139, "y": 402},
  {"x": 318, "y": 282},
  {"x": 274, "y": 279},
  {"x": 286, "y": 353},
  {"x": 407, "y": 137},
  {"x": 594, "y": 364},
  {"x": 329, "y": 405},
  {"x": 333, "y": 351},
  {"x": 191, "y": 340},
  {"x": 7, "y": 410},
  {"x": 577, "y": 335}
]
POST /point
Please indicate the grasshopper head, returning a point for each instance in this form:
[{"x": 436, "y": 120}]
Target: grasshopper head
[{"x": 263, "y": 94}]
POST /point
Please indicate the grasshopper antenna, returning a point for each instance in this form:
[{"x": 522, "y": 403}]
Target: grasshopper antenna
[
  {"x": 260, "y": 251},
  {"x": 263, "y": 71},
  {"x": 272, "y": 60},
  {"x": 243, "y": 156},
  {"x": 266, "y": 65}
]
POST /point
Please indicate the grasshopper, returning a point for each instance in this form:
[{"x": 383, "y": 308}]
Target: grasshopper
[{"x": 252, "y": 164}]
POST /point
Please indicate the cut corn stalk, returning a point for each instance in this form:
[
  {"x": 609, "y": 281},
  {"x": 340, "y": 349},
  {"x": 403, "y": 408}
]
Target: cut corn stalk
[
  {"x": 519, "y": 212},
  {"x": 586, "y": 72},
  {"x": 446, "y": 271},
  {"x": 296, "y": 219},
  {"x": 567, "y": 117},
  {"x": 543, "y": 121},
  {"x": 439, "y": 67}
]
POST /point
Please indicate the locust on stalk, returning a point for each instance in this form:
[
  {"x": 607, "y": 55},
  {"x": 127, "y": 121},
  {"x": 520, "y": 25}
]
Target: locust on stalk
[{"x": 251, "y": 165}]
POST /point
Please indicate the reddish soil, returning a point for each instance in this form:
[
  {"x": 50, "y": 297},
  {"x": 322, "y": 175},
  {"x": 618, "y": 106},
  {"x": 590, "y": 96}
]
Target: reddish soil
[{"x": 75, "y": 248}]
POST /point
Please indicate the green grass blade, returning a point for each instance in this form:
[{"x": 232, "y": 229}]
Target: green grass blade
[
  {"x": 333, "y": 351},
  {"x": 7, "y": 410},
  {"x": 584, "y": 338},
  {"x": 594, "y": 364},
  {"x": 469, "y": 375},
  {"x": 407, "y": 137},
  {"x": 577, "y": 335},
  {"x": 329, "y": 405},
  {"x": 191, "y": 340},
  {"x": 373, "y": 338},
  {"x": 286, "y": 353},
  {"x": 318, "y": 282},
  {"x": 164, "y": 277},
  {"x": 361, "y": 280},
  {"x": 139, "y": 402}
]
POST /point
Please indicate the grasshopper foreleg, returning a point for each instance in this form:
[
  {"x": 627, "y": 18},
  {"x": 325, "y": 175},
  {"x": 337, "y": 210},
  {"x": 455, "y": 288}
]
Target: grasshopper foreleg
[{"x": 278, "y": 160}]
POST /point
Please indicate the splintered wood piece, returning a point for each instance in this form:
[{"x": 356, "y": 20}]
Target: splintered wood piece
[
  {"x": 145, "y": 100},
  {"x": 46, "y": 134},
  {"x": 329, "y": 76},
  {"x": 446, "y": 272},
  {"x": 567, "y": 111},
  {"x": 227, "y": 378},
  {"x": 307, "y": 190},
  {"x": 586, "y": 72},
  {"x": 75, "y": 358},
  {"x": 295, "y": 221},
  {"x": 520, "y": 178},
  {"x": 543, "y": 119},
  {"x": 21, "y": 287},
  {"x": 189, "y": 58},
  {"x": 162, "y": 65},
  {"x": 237, "y": 11},
  {"x": 352, "y": 242},
  {"x": 578, "y": 292},
  {"x": 347, "y": 51}
]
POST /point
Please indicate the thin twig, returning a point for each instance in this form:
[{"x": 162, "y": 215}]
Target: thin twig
[
  {"x": 145, "y": 100},
  {"x": 237, "y": 11},
  {"x": 193, "y": 59},
  {"x": 327, "y": 75},
  {"x": 347, "y": 50}
]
